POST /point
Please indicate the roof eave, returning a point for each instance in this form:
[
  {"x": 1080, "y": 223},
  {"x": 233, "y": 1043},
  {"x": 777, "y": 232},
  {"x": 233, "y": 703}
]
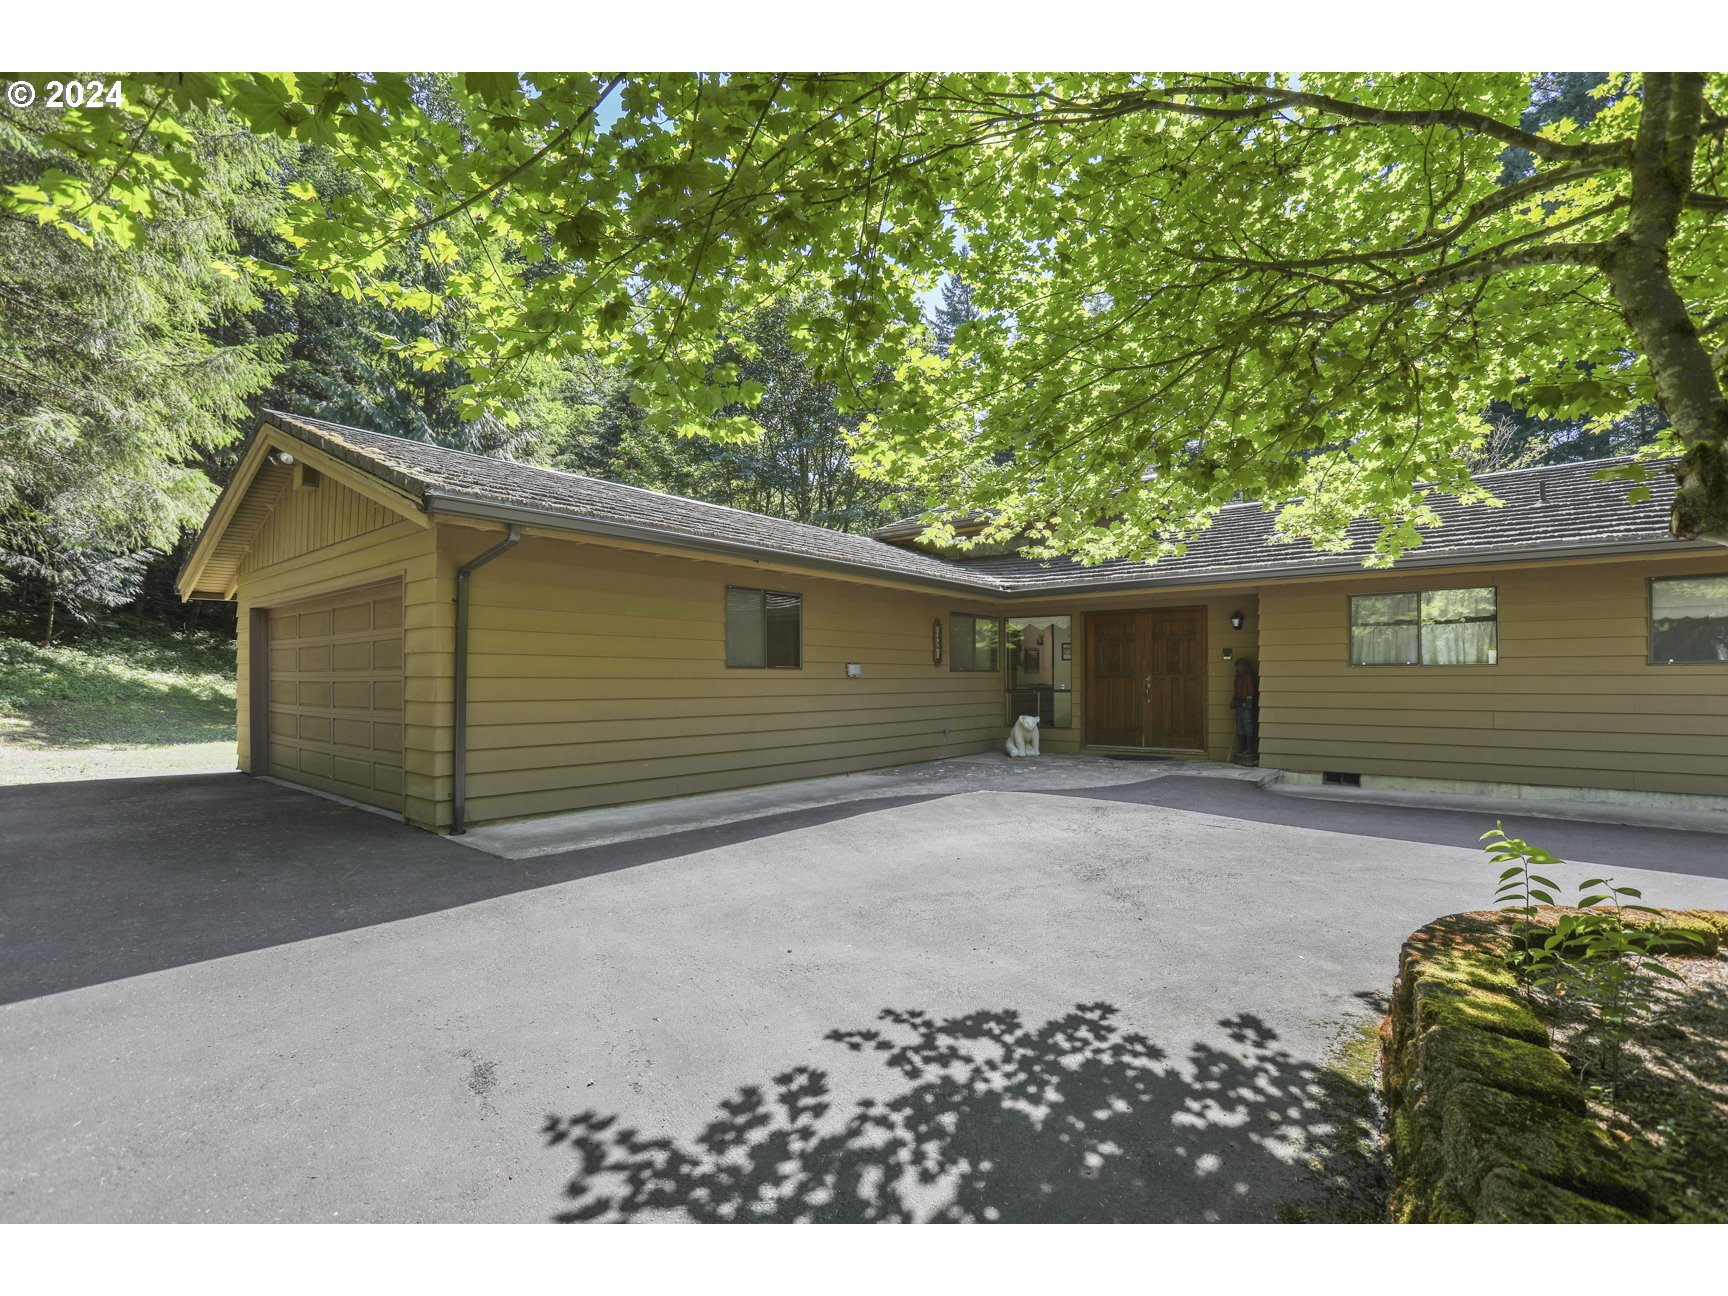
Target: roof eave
[
  {"x": 467, "y": 506},
  {"x": 1346, "y": 566},
  {"x": 252, "y": 453}
]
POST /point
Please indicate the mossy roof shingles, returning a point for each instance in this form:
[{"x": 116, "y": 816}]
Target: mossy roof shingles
[{"x": 1548, "y": 511}]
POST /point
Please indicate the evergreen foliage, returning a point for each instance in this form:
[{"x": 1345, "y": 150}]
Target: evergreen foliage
[
  {"x": 1297, "y": 287},
  {"x": 115, "y": 381},
  {"x": 1158, "y": 291}
]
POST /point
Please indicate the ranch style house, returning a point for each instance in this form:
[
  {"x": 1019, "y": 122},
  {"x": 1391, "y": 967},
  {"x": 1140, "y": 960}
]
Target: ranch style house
[{"x": 457, "y": 639}]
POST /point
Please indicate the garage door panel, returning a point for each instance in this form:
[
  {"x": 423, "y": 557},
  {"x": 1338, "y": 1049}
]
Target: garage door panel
[
  {"x": 356, "y": 616},
  {"x": 351, "y": 733},
  {"x": 348, "y": 770},
  {"x": 351, "y": 695},
  {"x": 336, "y": 694}
]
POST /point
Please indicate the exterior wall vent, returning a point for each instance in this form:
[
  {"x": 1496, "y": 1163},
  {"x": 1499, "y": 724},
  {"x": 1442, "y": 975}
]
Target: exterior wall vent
[{"x": 1336, "y": 778}]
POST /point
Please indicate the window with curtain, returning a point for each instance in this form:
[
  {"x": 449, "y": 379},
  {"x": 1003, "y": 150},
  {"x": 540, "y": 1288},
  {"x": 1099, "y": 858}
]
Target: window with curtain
[
  {"x": 1689, "y": 620},
  {"x": 1451, "y": 627},
  {"x": 764, "y": 629},
  {"x": 974, "y": 642}
]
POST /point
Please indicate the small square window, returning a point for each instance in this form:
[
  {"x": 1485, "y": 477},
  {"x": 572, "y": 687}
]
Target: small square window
[
  {"x": 976, "y": 642},
  {"x": 764, "y": 629}
]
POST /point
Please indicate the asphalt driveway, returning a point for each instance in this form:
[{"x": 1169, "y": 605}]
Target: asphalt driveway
[{"x": 227, "y": 1000}]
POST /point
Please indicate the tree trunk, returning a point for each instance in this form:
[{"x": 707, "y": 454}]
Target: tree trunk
[
  {"x": 1687, "y": 387},
  {"x": 48, "y": 630}
]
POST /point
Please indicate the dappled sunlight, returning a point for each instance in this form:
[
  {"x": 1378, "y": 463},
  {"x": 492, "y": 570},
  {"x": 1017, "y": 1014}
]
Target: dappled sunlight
[{"x": 996, "y": 1120}]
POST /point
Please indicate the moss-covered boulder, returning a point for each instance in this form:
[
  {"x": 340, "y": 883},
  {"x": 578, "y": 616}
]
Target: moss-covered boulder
[
  {"x": 1510, "y": 1196},
  {"x": 1486, "y": 1121},
  {"x": 1697, "y": 933},
  {"x": 1485, "y": 1129},
  {"x": 1443, "y": 1006},
  {"x": 1715, "y": 919},
  {"x": 1449, "y": 1056}
]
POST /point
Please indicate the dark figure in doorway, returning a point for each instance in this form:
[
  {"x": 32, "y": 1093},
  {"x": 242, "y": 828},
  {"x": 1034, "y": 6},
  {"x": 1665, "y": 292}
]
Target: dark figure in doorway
[{"x": 1246, "y": 704}]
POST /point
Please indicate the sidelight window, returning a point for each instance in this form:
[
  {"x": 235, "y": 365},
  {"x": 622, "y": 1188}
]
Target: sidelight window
[{"x": 1040, "y": 652}]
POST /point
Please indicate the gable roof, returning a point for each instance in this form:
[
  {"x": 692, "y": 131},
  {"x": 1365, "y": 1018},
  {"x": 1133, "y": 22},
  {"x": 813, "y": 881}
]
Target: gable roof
[
  {"x": 259, "y": 482},
  {"x": 1549, "y": 512},
  {"x": 460, "y": 484}
]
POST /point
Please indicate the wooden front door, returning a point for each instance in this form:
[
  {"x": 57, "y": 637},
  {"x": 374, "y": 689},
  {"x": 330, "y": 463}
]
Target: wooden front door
[{"x": 1146, "y": 679}]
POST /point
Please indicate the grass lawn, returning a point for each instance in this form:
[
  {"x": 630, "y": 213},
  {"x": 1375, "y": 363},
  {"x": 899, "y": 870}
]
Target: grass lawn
[{"x": 115, "y": 705}]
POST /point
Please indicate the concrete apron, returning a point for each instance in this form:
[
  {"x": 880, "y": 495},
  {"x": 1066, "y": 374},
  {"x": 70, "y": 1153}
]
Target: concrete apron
[
  {"x": 990, "y": 772},
  {"x": 1532, "y": 807}
]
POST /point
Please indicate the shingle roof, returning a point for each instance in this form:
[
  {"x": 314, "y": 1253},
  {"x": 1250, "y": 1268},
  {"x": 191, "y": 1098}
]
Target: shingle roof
[
  {"x": 438, "y": 476},
  {"x": 1548, "y": 511},
  {"x": 910, "y": 528}
]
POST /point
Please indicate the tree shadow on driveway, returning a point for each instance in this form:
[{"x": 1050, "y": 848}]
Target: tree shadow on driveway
[
  {"x": 1074, "y": 1120},
  {"x": 113, "y": 878}
]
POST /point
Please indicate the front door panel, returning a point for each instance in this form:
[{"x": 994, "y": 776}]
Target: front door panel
[
  {"x": 1115, "y": 697},
  {"x": 1146, "y": 679},
  {"x": 1176, "y": 679}
]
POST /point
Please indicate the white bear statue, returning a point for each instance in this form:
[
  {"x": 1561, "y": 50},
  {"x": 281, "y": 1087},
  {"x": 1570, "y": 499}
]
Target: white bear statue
[{"x": 1023, "y": 737}]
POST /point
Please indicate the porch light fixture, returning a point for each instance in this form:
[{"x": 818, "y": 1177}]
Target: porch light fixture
[{"x": 1235, "y": 620}]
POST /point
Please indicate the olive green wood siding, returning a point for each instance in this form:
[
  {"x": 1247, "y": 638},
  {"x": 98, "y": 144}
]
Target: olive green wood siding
[
  {"x": 308, "y": 518},
  {"x": 1572, "y": 701},
  {"x": 597, "y": 676},
  {"x": 319, "y": 542},
  {"x": 598, "y": 671}
]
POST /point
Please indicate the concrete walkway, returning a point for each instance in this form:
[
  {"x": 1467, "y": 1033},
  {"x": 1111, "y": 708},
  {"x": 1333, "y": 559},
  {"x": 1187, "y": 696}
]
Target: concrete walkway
[{"x": 989, "y": 772}]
